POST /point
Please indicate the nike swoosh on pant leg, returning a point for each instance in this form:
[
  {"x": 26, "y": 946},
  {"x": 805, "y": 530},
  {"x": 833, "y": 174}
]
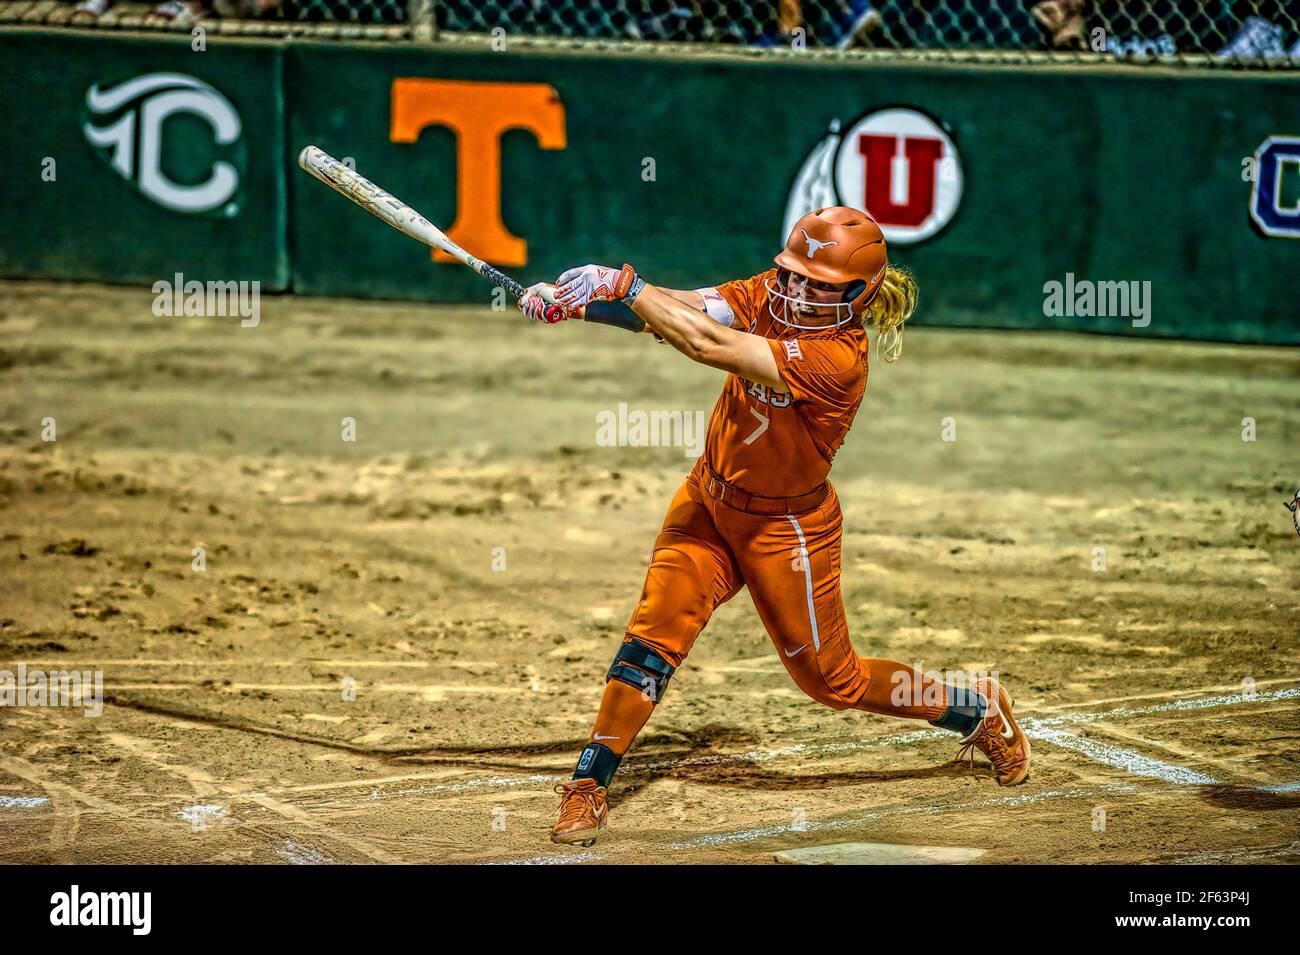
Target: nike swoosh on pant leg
[{"x": 797, "y": 652}]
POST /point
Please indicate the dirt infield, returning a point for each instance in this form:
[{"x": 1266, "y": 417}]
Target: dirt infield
[{"x": 467, "y": 563}]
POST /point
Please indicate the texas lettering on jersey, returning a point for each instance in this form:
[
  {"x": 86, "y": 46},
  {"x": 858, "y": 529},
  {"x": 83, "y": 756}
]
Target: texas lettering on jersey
[
  {"x": 765, "y": 394},
  {"x": 781, "y": 445}
]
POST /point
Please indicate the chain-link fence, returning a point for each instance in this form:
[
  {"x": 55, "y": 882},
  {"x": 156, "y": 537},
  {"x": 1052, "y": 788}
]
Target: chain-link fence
[
  {"x": 1146, "y": 27},
  {"x": 1227, "y": 32}
]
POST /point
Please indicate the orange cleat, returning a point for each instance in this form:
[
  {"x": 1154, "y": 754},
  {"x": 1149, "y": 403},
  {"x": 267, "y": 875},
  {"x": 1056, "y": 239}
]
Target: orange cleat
[
  {"x": 998, "y": 737},
  {"x": 583, "y": 812}
]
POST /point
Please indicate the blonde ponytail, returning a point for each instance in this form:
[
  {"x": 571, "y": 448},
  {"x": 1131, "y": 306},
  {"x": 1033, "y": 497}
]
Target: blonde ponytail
[{"x": 892, "y": 306}]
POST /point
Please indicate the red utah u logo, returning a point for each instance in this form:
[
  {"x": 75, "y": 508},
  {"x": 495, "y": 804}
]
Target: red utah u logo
[
  {"x": 921, "y": 156},
  {"x": 897, "y": 163}
]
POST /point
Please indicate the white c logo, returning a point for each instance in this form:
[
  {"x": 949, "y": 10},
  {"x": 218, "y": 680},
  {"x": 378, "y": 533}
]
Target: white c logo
[{"x": 136, "y": 140}]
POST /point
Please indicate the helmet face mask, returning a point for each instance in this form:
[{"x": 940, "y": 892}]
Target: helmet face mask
[
  {"x": 835, "y": 249},
  {"x": 799, "y": 301}
]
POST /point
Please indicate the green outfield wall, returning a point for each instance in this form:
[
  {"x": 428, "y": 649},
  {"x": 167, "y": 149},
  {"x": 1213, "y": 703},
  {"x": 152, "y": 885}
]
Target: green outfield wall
[
  {"x": 69, "y": 213},
  {"x": 1161, "y": 202}
]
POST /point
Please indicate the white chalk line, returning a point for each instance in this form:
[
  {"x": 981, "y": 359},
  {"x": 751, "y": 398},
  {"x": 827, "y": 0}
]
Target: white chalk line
[
  {"x": 287, "y": 811},
  {"x": 1234, "y": 856},
  {"x": 1127, "y": 760},
  {"x": 62, "y": 662},
  {"x": 302, "y": 817},
  {"x": 415, "y": 689},
  {"x": 763, "y": 832},
  {"x": 1179, "y": 754},
  {"x": 1130, "y": 761},
  {"x": 740, "y": 836},
  {"x": 1204, "y": 702},
  {"x": 572, "y": 858},
  {"x": 1163, "y": 695},
  {"x": 297, "y": 854},
  {"x": 200, "y": 814},
  {"x": 22, "y": 802},
  {"x": 1292, "y": 787},
  {"x": 1045, "y": 729},
  {"x": 21, "y": 768}
]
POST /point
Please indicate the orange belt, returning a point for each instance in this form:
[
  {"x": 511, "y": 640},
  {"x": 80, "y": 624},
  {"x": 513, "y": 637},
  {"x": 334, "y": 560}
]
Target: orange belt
[{"x": 733, "y": 496}]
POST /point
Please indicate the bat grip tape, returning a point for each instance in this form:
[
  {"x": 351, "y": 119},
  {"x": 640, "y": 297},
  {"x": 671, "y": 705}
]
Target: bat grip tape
[{"x": 503, "y": 280}]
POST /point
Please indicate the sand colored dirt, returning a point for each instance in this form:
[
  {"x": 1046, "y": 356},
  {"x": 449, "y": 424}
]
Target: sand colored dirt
[{"x": 467, "y": 563}]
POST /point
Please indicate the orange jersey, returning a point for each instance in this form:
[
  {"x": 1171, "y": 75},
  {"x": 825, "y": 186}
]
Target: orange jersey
[{"x": 779, "y": 445}]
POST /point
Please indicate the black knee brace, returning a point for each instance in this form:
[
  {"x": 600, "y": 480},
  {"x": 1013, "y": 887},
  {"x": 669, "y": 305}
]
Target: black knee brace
[{"x": 639, "y": 666}]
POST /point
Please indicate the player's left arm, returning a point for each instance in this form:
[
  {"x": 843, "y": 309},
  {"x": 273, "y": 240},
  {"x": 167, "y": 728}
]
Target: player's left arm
[
  {"x": 697, "y": 323},
  {"x": 702, "y": 339},
  {"x": 576, "y": 288}
]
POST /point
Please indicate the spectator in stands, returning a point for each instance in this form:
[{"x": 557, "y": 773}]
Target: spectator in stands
[
  {"x": 1063, "y": 21},
  {"x": 838, "y": 24},
  {"x": 89, "y": 10},
  {"x": 1145, "y": 28},
  {"x": 670, "y": 21},
  {"x": 1262, "y": 39},
  {"x": 245, "y": 9},
  {"x": 181, "y": 13}
]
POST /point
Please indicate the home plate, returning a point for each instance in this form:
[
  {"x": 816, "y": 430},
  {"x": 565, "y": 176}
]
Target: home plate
[{"x": 878, "y": 853}]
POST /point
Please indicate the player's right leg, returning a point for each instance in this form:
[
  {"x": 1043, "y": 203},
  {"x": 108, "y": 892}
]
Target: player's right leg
[
  {"x": 792, "y": 565},
  {"x": 691, "y": 573}
]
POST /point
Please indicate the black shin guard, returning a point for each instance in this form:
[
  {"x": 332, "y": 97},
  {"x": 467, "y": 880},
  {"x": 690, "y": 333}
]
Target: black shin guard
[
  {"x": 965, "y": 710},
  {"x": 641, "y": 667}
]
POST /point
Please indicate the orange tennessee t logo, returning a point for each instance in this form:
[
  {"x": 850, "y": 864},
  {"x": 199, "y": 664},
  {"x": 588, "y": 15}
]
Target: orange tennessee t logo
[{"x": 479, "y": 113}]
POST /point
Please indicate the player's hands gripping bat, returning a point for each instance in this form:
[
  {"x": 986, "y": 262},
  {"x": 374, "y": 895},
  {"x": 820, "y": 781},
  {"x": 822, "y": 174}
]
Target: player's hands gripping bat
[
  {"x": 536, "y": 305},
  {"x": 348, "y": 182},
  {"x": 588, "y": 293},
  {"x": 588, "y": 283},
  {"x": 574, "y": 290}
]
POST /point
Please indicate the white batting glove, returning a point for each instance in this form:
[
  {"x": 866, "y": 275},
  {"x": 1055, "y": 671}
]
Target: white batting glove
[
  {"x": 590, "y": 283},
  {"x": 536, "y": 307}
]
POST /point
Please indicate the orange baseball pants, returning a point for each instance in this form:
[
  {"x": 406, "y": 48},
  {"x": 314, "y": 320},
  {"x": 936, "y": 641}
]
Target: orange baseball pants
[{"x": 704, "y": 554}]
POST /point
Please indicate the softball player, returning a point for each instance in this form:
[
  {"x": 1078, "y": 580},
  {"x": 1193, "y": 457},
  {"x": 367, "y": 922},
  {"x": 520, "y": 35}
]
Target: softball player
[{"x": 757, "y": 510}]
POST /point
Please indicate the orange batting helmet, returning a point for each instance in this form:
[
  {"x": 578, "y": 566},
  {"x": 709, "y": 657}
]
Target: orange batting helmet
[{"x": 838, "y": 245}]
